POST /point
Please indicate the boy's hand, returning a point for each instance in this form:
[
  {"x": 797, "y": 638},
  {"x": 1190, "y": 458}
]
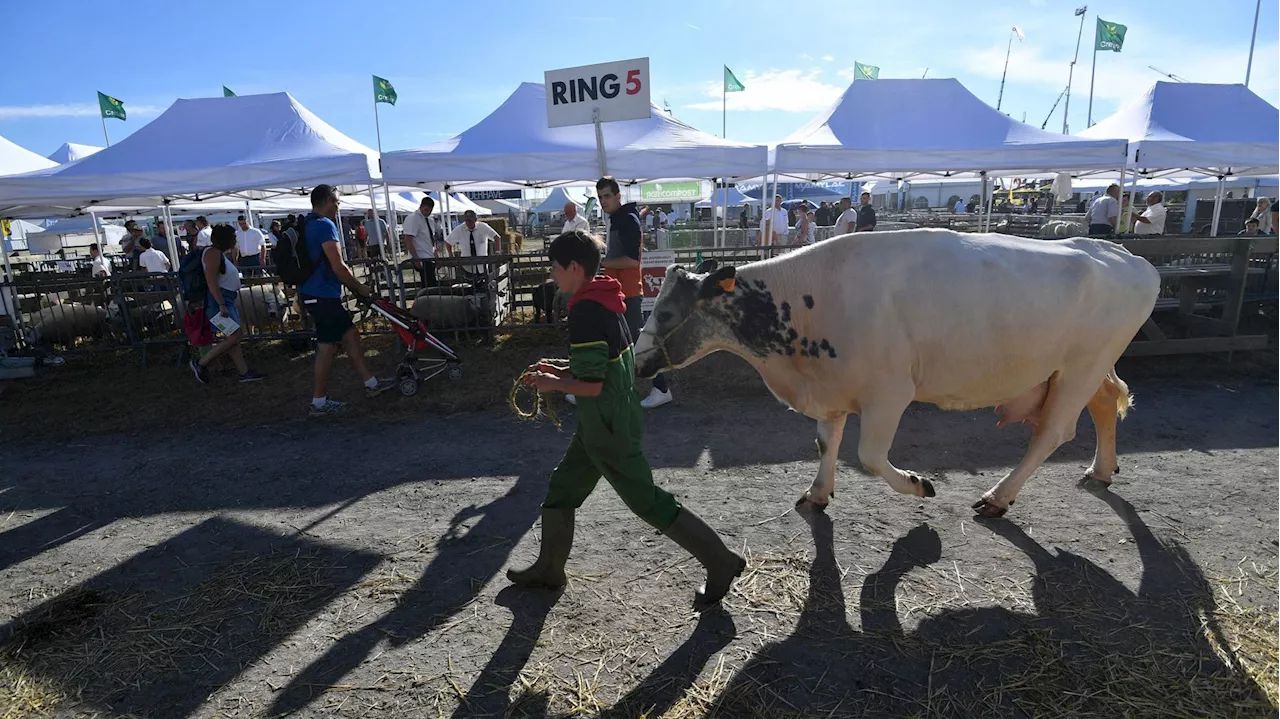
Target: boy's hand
[
  {"x": 547, "y": 367},
  {"x": 542, "y": 381}
]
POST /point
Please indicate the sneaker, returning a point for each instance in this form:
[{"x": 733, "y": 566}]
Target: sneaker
[
  {"x": 571, "y": 399},
  {"x": 201, "y": 373},
  {"x": 382, "y": 386},
  {"x": 330, "y": 406},
  {"x": 656, "y": 398},
  {"x": 252, "y": 376}
]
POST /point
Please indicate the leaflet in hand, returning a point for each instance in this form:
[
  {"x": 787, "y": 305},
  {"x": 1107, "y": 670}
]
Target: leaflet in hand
[{"x": 224, "y": 324}]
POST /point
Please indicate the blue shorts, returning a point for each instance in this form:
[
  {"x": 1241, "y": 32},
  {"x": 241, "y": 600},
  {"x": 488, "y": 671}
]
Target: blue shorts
[{"x": 229, "y": 298}]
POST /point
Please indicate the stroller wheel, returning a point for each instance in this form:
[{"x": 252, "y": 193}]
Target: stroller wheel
[
  {"x": 408, "y": 387},
  {"x": 455, "y": 373}
]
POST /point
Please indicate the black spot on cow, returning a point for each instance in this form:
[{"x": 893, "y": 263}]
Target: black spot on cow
[{"x": 763, "y": 326}]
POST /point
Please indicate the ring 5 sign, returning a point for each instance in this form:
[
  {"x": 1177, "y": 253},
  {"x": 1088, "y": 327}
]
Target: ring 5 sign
[{"x": 620, "y": 90}]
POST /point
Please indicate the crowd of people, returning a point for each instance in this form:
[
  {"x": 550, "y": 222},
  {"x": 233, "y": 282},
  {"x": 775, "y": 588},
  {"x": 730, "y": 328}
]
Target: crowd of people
[{"x": 776, "y": 223}]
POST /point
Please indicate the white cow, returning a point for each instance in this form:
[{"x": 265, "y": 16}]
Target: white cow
[{"x": 869, "y": 323}]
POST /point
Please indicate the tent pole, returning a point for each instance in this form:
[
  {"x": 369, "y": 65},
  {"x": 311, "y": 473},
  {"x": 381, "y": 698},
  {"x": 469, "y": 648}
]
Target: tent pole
[
  {"x": 10, "y": 299},
  {"x": 600, "y": 154},
  {"x": 1133, "y": 197},
  {"x": 1217, "y": 206},
  {"x": 172, "y": 239},
  {"x": 97, "y": 239}
]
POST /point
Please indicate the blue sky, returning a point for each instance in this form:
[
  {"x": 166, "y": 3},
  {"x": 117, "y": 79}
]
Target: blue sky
[{"x": 452, "y": 63}]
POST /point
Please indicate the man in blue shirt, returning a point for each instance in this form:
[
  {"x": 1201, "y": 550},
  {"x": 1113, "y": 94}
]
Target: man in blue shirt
[{"x": 321, "y": 297}]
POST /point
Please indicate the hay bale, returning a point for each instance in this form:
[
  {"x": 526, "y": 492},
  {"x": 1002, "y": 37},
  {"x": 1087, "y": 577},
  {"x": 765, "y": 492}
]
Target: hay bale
[{"x": 499, "y": 224}]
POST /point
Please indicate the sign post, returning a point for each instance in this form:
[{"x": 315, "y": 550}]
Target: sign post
[
  {"x": 653, "y": 270},
  {"x": 596, "y": 94}
]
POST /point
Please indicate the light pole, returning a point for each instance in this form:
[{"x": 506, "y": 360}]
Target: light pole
[{"x": 1066, "y": 111}]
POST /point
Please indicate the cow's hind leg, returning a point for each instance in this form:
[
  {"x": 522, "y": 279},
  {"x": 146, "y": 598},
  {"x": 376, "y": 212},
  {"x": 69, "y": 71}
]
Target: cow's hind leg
[
  {"x": 1068, "y": 395},
  {"x": 830, "y": 432},
  {"x": 1109, "y": 403},
  {"x": 880, "y": 418}
]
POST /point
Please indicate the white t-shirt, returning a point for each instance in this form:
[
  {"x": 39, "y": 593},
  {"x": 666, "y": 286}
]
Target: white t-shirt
[
  {"x": 1103, "y": 209},
  {"x": 577, "y": 223},
  {"x": 204, "y": 238},
  {"x": 418, "y": 226},
  {"x": 1156, "y": 214},
  {"x": 779, "y": 217},
  {"x": 153, "y": 260},
  {"x": 99, "y": 267},
  {"x": 959, "y": 208},
  {"x": 461, "y": 238},
  {"x": 847, "y": 222},
  {"x": 250, "y": 241}
]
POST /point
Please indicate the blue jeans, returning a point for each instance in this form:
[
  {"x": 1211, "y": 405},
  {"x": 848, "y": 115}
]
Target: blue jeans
[
  {"x": 635, "y": 321},
  {"x": 229, "y": 298}
]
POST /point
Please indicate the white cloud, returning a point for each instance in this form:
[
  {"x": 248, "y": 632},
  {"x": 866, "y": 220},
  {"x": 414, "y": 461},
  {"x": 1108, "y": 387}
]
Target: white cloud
[
  {"x": 785, "y": 90},
  {"x": 828, "y": 58},
  {"x": 14, "y": 112}
]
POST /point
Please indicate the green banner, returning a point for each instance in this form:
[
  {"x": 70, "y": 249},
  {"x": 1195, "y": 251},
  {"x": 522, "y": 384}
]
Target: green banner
[
  {"x": 383, "y": 91},
  {"x": 731, "y": 82},
  {"x": 110, "y": 107},
  {"x": 865, "y": 72},
  {"x": 1110, "y": 35},
  {"x": 671, "y": 191}
]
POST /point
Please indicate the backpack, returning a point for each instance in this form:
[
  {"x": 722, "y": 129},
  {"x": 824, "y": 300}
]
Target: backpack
[
  {"x": 291, "y": 256},
  {"x": 195, "y": 288}
]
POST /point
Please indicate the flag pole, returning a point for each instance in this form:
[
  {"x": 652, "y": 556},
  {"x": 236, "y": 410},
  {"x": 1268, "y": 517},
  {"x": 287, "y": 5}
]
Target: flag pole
[
  {"x": 1092, "y": 73},
  {"x": 1007, "y": 51},
  {"x": 1066, "y": 111},
  {"x": 104, "y": 129},
  {"x": 1248, "y": 70}
]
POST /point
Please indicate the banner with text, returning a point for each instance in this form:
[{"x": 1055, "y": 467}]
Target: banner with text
[
  {"x": 671, "y": 192},
  {"x": 620, "y": 90}
]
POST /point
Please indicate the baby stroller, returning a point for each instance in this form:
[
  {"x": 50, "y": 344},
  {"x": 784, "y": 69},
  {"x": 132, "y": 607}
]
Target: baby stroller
[{"x": 413, "y": 332}]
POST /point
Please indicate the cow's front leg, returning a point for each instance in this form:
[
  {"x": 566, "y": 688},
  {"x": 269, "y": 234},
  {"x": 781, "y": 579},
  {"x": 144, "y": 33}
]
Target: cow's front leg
[
  {"x": 830, "y": 432},
  {"x": 880, "y": 418}
]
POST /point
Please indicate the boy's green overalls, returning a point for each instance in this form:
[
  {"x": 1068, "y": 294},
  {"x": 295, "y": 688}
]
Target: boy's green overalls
[{"x": 607, "y": 443}]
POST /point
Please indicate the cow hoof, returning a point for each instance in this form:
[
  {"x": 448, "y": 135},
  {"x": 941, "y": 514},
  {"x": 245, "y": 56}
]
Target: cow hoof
[
  {"x": 1092, "y": 475},
  {"x": 986, "y": 508},
  {"x": 924, "y": 486},
  {"x": 805, "y": 505}
]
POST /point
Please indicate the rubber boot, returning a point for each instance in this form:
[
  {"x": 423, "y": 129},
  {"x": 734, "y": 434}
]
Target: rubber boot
[
  {"x": 557, "y": 539},
  {"x": 723, "y": 565}
]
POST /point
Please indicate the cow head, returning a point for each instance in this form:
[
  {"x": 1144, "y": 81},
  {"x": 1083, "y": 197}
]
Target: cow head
[{"x": 687, "y": 322}]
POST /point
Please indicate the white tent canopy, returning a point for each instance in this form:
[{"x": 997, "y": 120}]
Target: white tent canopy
[
  {"x": 15, "y": 158},
  {"x": 1179, "y": 126},
  {"x": 903, "y": 128},
  {"x": 556, "y": 201},
  {"x": 205, "y": 146},
  {"x": 513, "y": 147},
  {"x": 70, "y": 152}
]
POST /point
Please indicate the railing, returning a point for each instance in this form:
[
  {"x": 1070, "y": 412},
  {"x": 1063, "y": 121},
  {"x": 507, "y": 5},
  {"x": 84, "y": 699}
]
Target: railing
[{"x": 1205, "y": 283}]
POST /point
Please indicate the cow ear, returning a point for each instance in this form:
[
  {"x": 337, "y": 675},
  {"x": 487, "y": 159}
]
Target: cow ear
[
  {"x": 706, "y": 266},
  {"x": 720, "y": 282}
]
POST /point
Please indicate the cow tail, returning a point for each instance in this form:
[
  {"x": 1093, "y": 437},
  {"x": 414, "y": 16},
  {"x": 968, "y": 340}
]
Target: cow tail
[{"x": 1118, "y": 389}]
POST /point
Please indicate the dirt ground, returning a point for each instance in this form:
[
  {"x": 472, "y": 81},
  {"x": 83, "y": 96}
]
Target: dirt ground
[{"x": 190, "y": 551}]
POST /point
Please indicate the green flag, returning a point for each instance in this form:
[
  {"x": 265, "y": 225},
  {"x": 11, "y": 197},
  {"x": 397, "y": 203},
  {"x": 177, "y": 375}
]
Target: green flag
[
  {"x": 110, "y": 107},
  {"x": 865, "y": 72},
  {"x": 383, "y": 91},
  {"x": 731, "y": 83},
  {"x": 226, "y": 92},
  {"x": 1110, "y": 35}
]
